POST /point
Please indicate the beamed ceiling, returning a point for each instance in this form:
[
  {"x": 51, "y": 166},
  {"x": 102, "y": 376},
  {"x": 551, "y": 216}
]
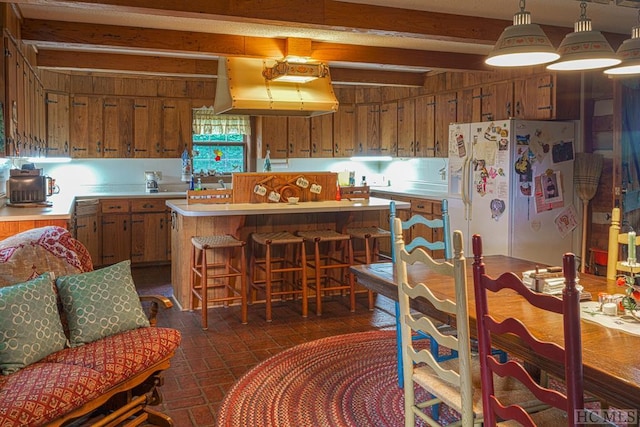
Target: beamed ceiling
[{"x": 364, "y": 42}]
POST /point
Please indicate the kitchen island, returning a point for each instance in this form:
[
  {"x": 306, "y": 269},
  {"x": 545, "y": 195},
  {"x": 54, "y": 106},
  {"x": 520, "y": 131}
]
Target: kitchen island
[{"x": 242, "y": 219}]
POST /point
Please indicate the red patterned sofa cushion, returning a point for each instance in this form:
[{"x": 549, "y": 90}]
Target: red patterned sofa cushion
[
  {"x": 43, "y": 392},
  {"x": 72, "y": 377},
  {"x": 120, "y": 356}
]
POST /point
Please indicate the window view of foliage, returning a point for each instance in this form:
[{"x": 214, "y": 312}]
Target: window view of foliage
[{"x": 223, "y": 154}]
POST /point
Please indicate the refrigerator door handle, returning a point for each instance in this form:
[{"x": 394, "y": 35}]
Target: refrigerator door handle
[{"x": 465, "y": 188}]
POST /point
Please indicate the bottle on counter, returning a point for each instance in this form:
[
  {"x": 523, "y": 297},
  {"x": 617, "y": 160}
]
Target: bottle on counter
[
  {"x": 338, "y": 195},
  {"x": 267, "y": 162},
  {"x": 198, "y": 185},
  {"x": 364, "y": 181}
]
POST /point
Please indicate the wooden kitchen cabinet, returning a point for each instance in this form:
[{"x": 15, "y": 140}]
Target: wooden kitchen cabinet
[
  {"x": 446, "y": 112},
  {"x": 150, "y": 231},
  {"x": 274, "y": 137},
  {"x": 86, "y": 126},
  {"x": 299, "y": 137},
  {"x": 176, "y": 127},
  {"x": 117, "y": 130},
  {"x": 406, "y": 128},
  {"x": 537, "y": 98},
  {"x": 425, "y": 118},
  {"x": 147, "y": 128},
  {"x": 493, "y": 102},
  {"x": 464, "y": 106},
  {"x": 344, "y": 132},
  {"x": 322, "y": 135},
  {"x": 57, "y": 125},
  {"x": 116, "y": 230},
  {"x": 388, "y": 129},
  {"x": 368, "y": 129},
  {"x": 87, "y": 227}
]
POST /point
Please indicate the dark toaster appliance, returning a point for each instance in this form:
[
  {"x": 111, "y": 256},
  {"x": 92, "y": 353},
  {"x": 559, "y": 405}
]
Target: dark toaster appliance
[{"x": 28, "y": 186}]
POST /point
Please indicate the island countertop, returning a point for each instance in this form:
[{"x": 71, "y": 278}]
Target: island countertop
[{"x": 228, "y": 209}]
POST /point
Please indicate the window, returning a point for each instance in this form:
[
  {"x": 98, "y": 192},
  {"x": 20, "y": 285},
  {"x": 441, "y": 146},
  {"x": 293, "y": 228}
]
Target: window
[{"x": 219, "y": 142}]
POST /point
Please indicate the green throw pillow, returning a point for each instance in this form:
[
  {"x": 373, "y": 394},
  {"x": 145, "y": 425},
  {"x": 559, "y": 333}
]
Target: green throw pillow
[
  {"x": 30, "y": 327},
  {"x": 100, "y": 303}
]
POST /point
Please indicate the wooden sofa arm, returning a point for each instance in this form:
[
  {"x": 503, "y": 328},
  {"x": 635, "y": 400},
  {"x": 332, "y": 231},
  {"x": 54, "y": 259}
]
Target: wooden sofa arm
[{"x": 155, "y": 300}]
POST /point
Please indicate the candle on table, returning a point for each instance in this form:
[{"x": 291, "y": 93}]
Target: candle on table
[{"x": 632, "y": 247}]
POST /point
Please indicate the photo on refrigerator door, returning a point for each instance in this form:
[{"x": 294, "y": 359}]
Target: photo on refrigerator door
[{"x": 548, "y": 191}]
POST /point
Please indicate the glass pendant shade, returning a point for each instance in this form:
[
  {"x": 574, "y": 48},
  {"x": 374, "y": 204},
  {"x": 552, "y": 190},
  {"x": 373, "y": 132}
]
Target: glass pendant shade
[
  {"x": 584, "y": 49},
  {"x": 522, "y": 44},
  {"x": 629, "y": 53}
]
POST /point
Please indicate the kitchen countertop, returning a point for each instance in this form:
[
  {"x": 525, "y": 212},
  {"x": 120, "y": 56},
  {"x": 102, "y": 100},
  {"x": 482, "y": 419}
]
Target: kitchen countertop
[
  {"x": 435, "y": 192},
  {"x": 229, "y": 209},
  {"x": 63, "y": 204}
]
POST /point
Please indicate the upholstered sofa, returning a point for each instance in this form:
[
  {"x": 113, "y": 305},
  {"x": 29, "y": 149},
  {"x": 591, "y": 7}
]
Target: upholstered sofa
[{"x": 77, "y": 345}]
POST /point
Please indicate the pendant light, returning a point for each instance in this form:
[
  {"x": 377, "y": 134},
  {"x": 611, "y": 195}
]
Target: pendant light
[
  {"x": 629, "y": 53},
  {"x": 584, "y": 49},
  {"x": 522, "y": 44}
]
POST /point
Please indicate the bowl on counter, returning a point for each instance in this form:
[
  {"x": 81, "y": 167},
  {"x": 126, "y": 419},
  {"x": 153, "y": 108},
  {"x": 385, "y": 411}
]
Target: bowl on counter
[{"x": 293, "y": 200}]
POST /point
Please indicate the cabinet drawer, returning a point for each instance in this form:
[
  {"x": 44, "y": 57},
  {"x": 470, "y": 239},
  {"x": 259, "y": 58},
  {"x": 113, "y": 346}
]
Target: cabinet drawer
[
  {"x": 87, "y": 207},
  {"x": 148, "y": 205},
  {"x": 421, "y": 206},
  {"x": 114, "y": 206}
]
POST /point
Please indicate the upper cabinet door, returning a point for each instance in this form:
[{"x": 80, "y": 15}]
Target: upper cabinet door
[
  {"x": 425, "y": 141},
  {"x": 147, "y": 128},
  {"x": 57, "y": 125},
  {"x": 274, "y": 137},
  {"x": 446, "y": 113},
  {"x": 368, "y": 130},
  {"x": 344, "y": 131},
  {"x": 176, "y": 127},
  {"x": 322, "y": 135},
  {"x": 389, "y": 129},
  {"x": 86, "y": 130},
  {"x": 299, "y": 137},
  {"x": 118, "y": 130},
  {"x": 406, "y": 128}
]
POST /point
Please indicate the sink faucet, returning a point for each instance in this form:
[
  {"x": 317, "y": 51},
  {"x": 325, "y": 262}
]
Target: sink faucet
[{"x": 221, "y": 182}]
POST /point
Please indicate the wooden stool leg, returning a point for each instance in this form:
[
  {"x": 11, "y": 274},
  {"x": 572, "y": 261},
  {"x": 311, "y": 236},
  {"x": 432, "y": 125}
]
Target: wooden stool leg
[
  {"x": 317, "y": 272},
  {"x": 203, "y": 288},
  {"x": 351, "y": 277},
  {"x": 303, "y": 282},
  {"x": 267, "y": 284},
  {"x": 192, "y": 278},
  {"x": 243, "y": 283}
]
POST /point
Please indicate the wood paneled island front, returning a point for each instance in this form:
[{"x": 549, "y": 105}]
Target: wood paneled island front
[{"x": 242, "y": 219}]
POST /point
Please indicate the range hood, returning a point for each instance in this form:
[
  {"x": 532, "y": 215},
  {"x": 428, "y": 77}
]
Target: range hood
[{"x": 242, "y": 89}]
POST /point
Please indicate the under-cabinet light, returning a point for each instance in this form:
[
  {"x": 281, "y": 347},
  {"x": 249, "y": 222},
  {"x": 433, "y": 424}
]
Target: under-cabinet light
[{"x": 371, "y": 159}]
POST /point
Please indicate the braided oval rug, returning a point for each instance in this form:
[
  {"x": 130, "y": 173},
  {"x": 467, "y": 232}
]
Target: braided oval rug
[{"x": 345, "y": 380}]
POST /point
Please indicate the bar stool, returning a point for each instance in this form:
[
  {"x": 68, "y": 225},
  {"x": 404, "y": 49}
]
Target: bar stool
[
  {"x": 212, "y": 269},
  {"x": 322, "y": 263},
  {"x": 370, "y": 253},
  {"x": 276, "y": 266}
]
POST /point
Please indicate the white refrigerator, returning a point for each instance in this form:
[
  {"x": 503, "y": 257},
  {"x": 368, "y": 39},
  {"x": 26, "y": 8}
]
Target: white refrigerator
[{"x": 511, "y": 181}]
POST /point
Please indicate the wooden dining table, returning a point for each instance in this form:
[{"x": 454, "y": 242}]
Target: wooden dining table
[{"x": 611, "y": 357}]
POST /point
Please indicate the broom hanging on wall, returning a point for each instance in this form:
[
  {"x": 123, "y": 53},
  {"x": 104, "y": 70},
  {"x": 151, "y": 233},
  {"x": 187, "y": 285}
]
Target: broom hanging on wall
[{"x": 586, "y": 175}]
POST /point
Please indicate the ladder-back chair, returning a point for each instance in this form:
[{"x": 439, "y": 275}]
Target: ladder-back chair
[{"x": 562, "y": 404}]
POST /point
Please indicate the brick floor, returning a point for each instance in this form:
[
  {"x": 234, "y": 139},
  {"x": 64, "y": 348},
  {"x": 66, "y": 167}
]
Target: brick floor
[{"x": 208, "y": 362}]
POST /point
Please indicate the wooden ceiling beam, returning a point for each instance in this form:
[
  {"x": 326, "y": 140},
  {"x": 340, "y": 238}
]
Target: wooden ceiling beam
[
  {"x": 52, "y": 34},
  {"x": 100, "y": 61},
  {"x": 159, "y": 65}
]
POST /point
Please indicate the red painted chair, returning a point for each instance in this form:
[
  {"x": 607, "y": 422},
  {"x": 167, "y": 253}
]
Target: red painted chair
[{"x": 563, "y": 406}]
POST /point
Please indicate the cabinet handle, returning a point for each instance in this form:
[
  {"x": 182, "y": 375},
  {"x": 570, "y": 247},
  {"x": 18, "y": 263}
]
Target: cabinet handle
[
  {"x": 546, "y": 107},
  {"x": 79, "y": 149},
  {"x": 124, "y": 225},
  {"x": 139, "y": 149},
  {"x": 162, "y": 224},
  {"x": 95, "y": 226},
  {"x": 148, "y": 205},
  {"x": 508, "y": 109},
  {"x": 315, "y": 148}
]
